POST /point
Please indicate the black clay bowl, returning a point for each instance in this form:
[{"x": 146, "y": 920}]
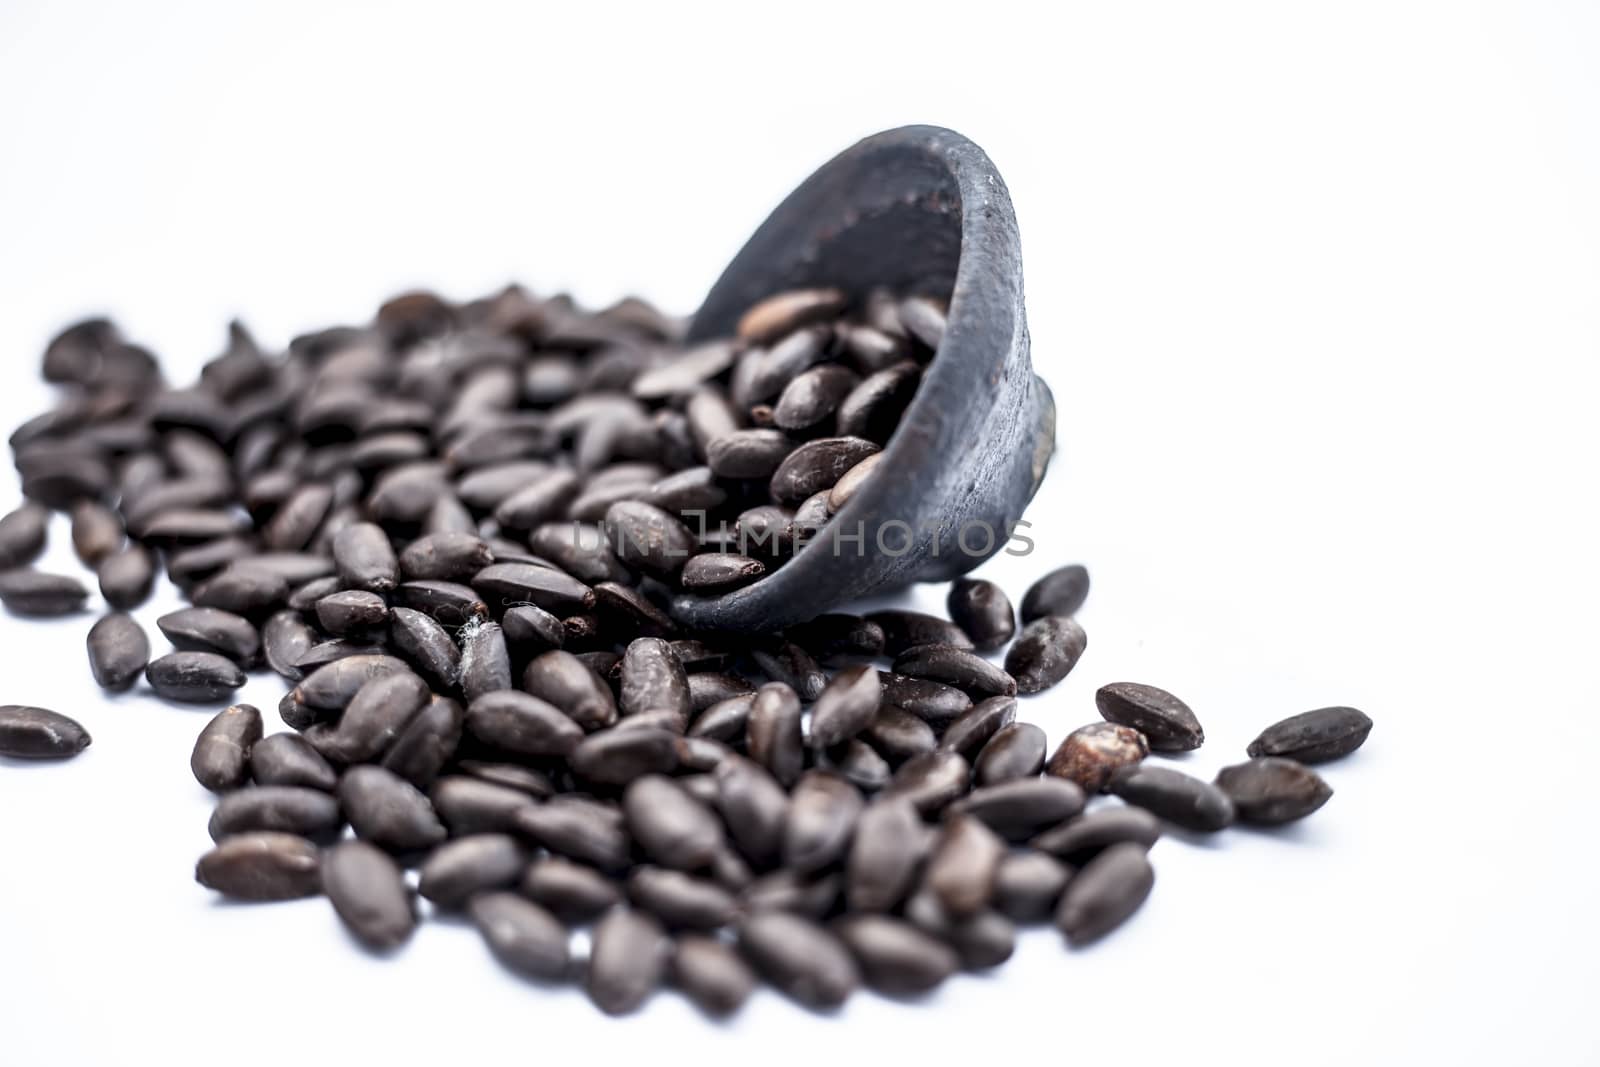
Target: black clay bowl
[{"x": 918, "y": 210}]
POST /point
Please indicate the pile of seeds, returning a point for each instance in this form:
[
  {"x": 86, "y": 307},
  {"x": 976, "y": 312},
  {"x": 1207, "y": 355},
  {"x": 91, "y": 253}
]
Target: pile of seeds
[{"x": 454, "y": 531}]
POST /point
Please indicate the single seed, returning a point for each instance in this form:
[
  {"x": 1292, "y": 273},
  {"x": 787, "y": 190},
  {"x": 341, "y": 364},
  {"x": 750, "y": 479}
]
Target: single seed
[
  {"x": 485, "y": 661},
  {"x": 1105, "y": 893},
  {"x": 935, "y": 703},
  {"x": 712, "y": 975},
  {"x": 368, "y": 893},
  {"x": 1078, "y": 840},
  {"x": 40, "y": 595},
  {"x": 1175, "y": 796},
  {"x": 1061, "y": 592},
  {"x": 653, "y": 679},
  {"x": 516, "y": 722},
  {"x": 1271, "y": 791},
  {"x": 387, "y": 810},
  {"x": 773, "y": 732},
  {"x": 212, "y": 630},
  {"x": 962, "y": 668},
  {"x": 127, "y": 576},
  {"x": 119, "y": 651},
  {"x": 221, "y": 757},
  {"x": 564, "y": 681},
  {"x": 822, "y": 817},
  {"x": 524, "y": 937},
  {"x": 1014, "y": 752},
  {"x": 962, "y": 866},
  {"x": 1314, "y": 736},
  {"x": 261, "y": 867},
  {"x": 888, "y": 848},
  {"x": 754, "y": 807},
  {"x": 783, "y": 313},
  {"x": 846, "y": 707},
  {"x": 284, "y": 639},
  {"x": 1029, "y": 884},
  {"x": 470, "y": 806},
  {"x": 720, "y": 571},
  {"x": 377, "y": 715},
  {"x": 817, "y": 465},
  {"x": 627, "y": 961},
  {"x": 571, "y": 890},
  {"x": 969, "y": 733},
  {"x": 1091, "y": 755},
  {"x": 459, "y": 869},
  {"x": 983, "y": 612},
  {"x": 620, "y": 754},
  {"x": 1045, "y": 653},
  {"x": 1166, "y": 722},
  {"x": 444, "y": 557},
  {"x": 799, "y": 957},
  {"x": 1017, "y": 810},
  {"x": 194, "y": 677},
  {"x": 681, "y": 901},
  {"x": 286, "y": 809},
  {"x": 289, "y": 759},
  {"x": 38, "y": 733},
  {"x": 930, "y": 781},
  {"x": 672, "y": 827},
  {"x": 896, "y": 957}
]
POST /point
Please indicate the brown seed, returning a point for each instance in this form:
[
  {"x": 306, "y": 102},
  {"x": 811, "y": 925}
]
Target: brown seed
[
  {"x": 212, "y": 630},
  {"x": 1045, "y": 653},
  {"x": 1166, "y": 722},
  {"x": 1271, "y": 791},
  {"x": 754, "y": 807},
  {"x": 817, "y": 465},
  {"x": 1091, "y": 755},
  {"x": 984, "y": 940},
  {"x": 387, "y": 810},
  {"x": 627, "y": 961},
  {"x": 376, "y": 716},
  {"x": 983, "y": 612},
  {"x": 786, "y": 662},
  {"x": 119, "y": 651},
  {"x": 368, "y": 893},
  {"x": 23, "y": 533},
  {"x": 712, "y": 975},
  {"x": 931, "y": 781},
  {"x": 517, "y": 722},
  {"x": 1061, "y": 592},
  {"x": 888, "y": 847},
  {"x": 39, "y": 595},
  {"x": 898, "y": 735},
  {"x": 896, "y": 957},
  {"x": 1105, "y": 893},
  {"x": 445, "y": 557},
  {"x": 619, "y": 754},
  {"x": 935, "y": 703},
  {"x": 244, "y": 588},
  {"x": 571, "y": 890},
  {"x": 645, "y": 537},
  {"x": 261, "y": 866},
  {"x": 523, "y": 936},
  {"x": 785, "y": 312},
  {"x": 815, "y": 897},
  {"x": 1175, "y": 796},
  {"x": 96, "y": 531},
  {"x": 672, "y": 827},
  {"x": 127, "y": 576},
  {"x": 683, "y": 374},
  {"x": 564, "y": 681},
  {"x": 773, "y": 735},
  {"x": 720, "y": 571},
  {"x": 829, "y": 636},
  {"x": 707, "y": 690},
  {"x": 873, "y": 408},
  {"x": 1017, "y": 810},
  {"x": 331, "y": 687},
  {"x": 427, "y": 645},
  {"x": 471, "y": 806},
  {"x": 1314, "y": 736},
  {"x": 653, "y": 679},
  {"x": 1028, "y": 885},
  {"x": 961, "y": 869},
  {"x": 289, "y": 759},
  {"x": 297, "y": 520},
  {"x": 1078, "y": 840},
  {"x": 1014, "y": 752},
  {"x": 365, "y": 559},
  {"x": 38, "y": 733},
  {"x": 221, "y": 757},
  {"x": 904, "y": 630},
  {"x": 799, "y": 958},
  {"x": 969, "y": 733},
  {"x": 485, "y": 661},
  {"x": 962, "y": 668},
  {"x": 284, "y": 639},
  {"x": 822, "y": 817},
  {"x": 812, "y": 396},
  {"x": 448, "y": 603},
  {"x": 504, "y": 585},
  {"x": 285, "y": 809},
  {"x": 681, "y": 901},
  {"x": 459, "y": 869},
  {"x": 748, "y": 454},
  {"x": 846, "y": 707},
  {"x": 194, "y": 677}
]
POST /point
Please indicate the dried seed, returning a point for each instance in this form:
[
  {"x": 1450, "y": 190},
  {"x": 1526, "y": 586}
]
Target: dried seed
[
  {"x": 511, "y": 775},
  {"x": 517, "y": 722},
  {"x": 365, "y": 559},
  {"x": 719, "y": 572},
  {"x": 378, "y": 714},
  {"x": 898, "y": 735},
  {"x": 1061, "y": 592},
  {"x": 244, "y": 588},
  {"x": 507, "y": 584},
  {"x": 524, "y": 937},
  {"x": 530, "y": 629},
  {"x": 681, "y": 901},
  {"x": 672, "y": 827},
  {"x": 1078, "y": 840},
  {"x": 212, "y": 630},
  {"x": 930, "y": 781},
  {"x": 428, "y": 646},
  {"x": 221, "y": 757},
  {"x": 888, "y": 847},
  {"x": 261, "y": 866},
  {"x": 485, "y": 661},
  {"x": 982, "y": 941},
  {"x": 829, "y": 636},
  {"x": 1017, "y": 810},
  {"x": 297, "y": 520},
  {"x": 924, "y": 319},
  {"x": 851, "y": 481},
  {"x": 1105, "y": 893},
  {"x": 653, "y": 679},
  {"x": 289, "y": 759},
  {"x": 648, "y": 538},
  {"x": 799, "y": 957},
  {"x": 96, "y": 531},
  {"x": 38, "y": 733},
  {"x": 459, "y": 869},
  {"x": 571, "y": 890},
  {"x": 23, "y": 533},
  {"x": 961, "y": 869},
  {"x": 618, "y": 755},
  {"x": 566, "y": 682},
  {"x": 783, "y": 313},
  {"x": 1175, "y": 796},
  {"x": 1092, "y": 754},
  {"x": 282, "y": 808},
  {"x": 1271, "y": 791},
  {"x": 627, "y": 961},
  {"x": 367, "y": 891},
  {"x": 447, "y": 603},
  {"x": 969, "y": 733},
  {"x": 470, "y": 806},
  {"x": 332, "y": 686},
  {"x": 445, "y": 557},
  {"x": 712, "y": 975},
  {"x": 284, "y": 639},
  {"x": 544, "y": 500},
  {"x": 1314, "y": 736},
  {"x": 896, "y": 957},
  {"x": 327, "y": 652},
  {"x": 873, "y": 408},
  {"x": 786, "y": 890},
  {"x": 119, "y": 651},
  {"x": 859, "y": 764},
  {"x": 773, "y": 737},
  {"x": 905, "y": 630},
  {"x": 1045, "y": 653},
  {"x": 962, "y": 668},
  {"x": 707, "y": 689},
  {"x": 788, "y": 663},
  {"x": 626, "y": 610},
  {"x": 822, "y": 817},
  {"x": 194, "y": 677},
  {"x": 846, "y": 707},
  {"x": 1014, "y": 752},
  {"x": 750, "y": 454},
  {"x": 754, "y": 807},
  {"x": 1166, "y": 722},
  {"x": 935, "y": 703},
  {"x": 1028, "y": 885},
  {"x": 817, "y": 465},
  {"x": 387, "y": 810},
  {"x": 583, "y": 551},
  {"x": 41, "y": 595},
  {"x": 127, "y": 576}
]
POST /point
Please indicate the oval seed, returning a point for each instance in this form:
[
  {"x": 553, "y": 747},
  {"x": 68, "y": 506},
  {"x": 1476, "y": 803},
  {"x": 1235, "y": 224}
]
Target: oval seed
[
  {"x": 896, "y": 957},
  {"x": 375, "y": 717},
  {"x": 194, "y": 677},
  {"x": 1175, "y": 796},
  {"x": 571, "y": 890},
  {"x": 1078, "y": 840},
  {"x": 1028, "y": 885},
  {"x": 718, "y": 572},
  {"x": 40, "y": 595},
  {"x": 1061, "y": 592},
  {"x": 485, "y": 661},
  {"x": 672, "y": 827},
  {"x": 846, "y": 706},
  {"x": 1101, "y": 896},
  {"x": 212, "y": 630},
  {"x": 578, "y": 828},
  {"x": 221, "y": 757},
  {"x": 930, "y": 781},
  {"x": 653, "y": 679},
  {"x": 368, "y": 894},
  {"x": 1091, "y": 755},
  {"x": 365, "y": 559},
  {"x": 822, "y": 817},
  {"x": 524, "y": 937},
  {"x": 773, "y": 736},
  {"x": 517, "y": 722},
  {"x": 388, "y": 810},
  {"x": 851, "y": 481},
  {"x": 1314, "y": 736},
  {"x": 899, "y": 735},
  {"x": 38, "y": 733},
  {"x": 618, "y": 755},
  {"x": 959, "y": 667},
  {"x": 1166, "y": 722},
  {"x": 817, "y": 465},
  {"x": 1045, "y": 653},
  {"x": 119, "y": 651},
  {"x": 126, "y": 577},
  {"x": 800, "y": 958},
  {"x": 289, "y": 759},
  {"x": 1271, "y": 791},
  {"x": 284, "y": 639},
  {"x": 968, "y": 734},
  {"x": 962, "y": 867},
  {"x": 887, "y": 849},
  {"x": 564, "y": 681},
  {"x": 1014, "y": 752},
  {"x": 627, "y": 961},
  {"x": 712, "y": 975},
  {"x": 458, "y": 869},
  {"x": 261, "y": 867},
  {"x": 282, "y": 808},
  {"x": 754, "y": 807},
  {"x": 983, "y": 612},
  {"x": 1016, "y": 810},
  {"x": 681, "y": 901}
]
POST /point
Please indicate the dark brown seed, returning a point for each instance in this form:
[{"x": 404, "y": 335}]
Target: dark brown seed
[
  {"x": 851, "y": 481},
  {"x": 544, "y": 500},
  {"x": 896, "y": 957},
  {"x": 706, "y": 690},
  {"x": 931, "y": 781},
  {"x": 1045, "y": 653},
  {"x": 332, "y": 686},
  {"x": 221, "y": 757},
  {"x": 212, "y": 630},
  {"x": 1092, "y": 754},
  {"x": 1061, "y": 592},
  {"x": 683, "y": 374},
  {"x": 1314, "y": 736},
  {"x": 905, "y": 630},
  {"x": 284, "y": 639},
  {"x": 566, "y": 682},
  {"x": 786, "y": 662},
  {"x": 766, "y": 531},
  {"x": 681, "y": 901},
  {"x": 962, "y": 866},
  {"x": 754, "y": 807},
  {"x": 534, "y": 783},
  {"x": 377, "y": 715},
  {"x": 96, "y": 531},
  {"x": 969, "y": 733},
  {"x": 648, "y": 538},
  {"x": 304, "y": 598},
  {"x": 859, "y": 764},
  {"x": 720, "y": 571},
  {"x": 23, "y": 533},
  {"x": 924, "y": 319},
  {"x": 282, "y": 808},
  {"x": 297, "y": 520},
  {"x": 1166, "y": 722},
  {"x": 459, "y": 869},
  {"x": 773, "y": 737},
  {"x": 817, "y": 465},
  {"x": 445, "y": 557},
  {"x": 485, "y": 661},
  {"x": 470, "y": 806},
  {"x": 41, "y": 595},
  {"x": 983, "y": 941},
  {"x": 447, "y": 603},
  {"x": 1017, "y": 810},
  {"x": 1271, "y": 791},
  {"x": 427, "y": 645},
  {"x": 890, "y": 843},
  {"x": 523, "y": 936},
  {"x": 618, "y": 755},
  {"x": 1014, "y": 752},
  {"x": 387, "y": 810},
  {"x": 188, "y": 526},
  {"x": 262, "y": 866},
  {"x": 799, "y": 958},
  {"x": 1028, "y": 885},
  {"x": 623, "y": 609},
  {"x": 529, "y": 629},
  {"x": 581, "y": 550},
  {"x": 1175, "y": 796},
  {"x": 505, "y": 585},
  {"x": 119, "y": 651},
  {"x": 289, "y": 759},
  {"x": 1105, "y": 893},
  {"x": 846, "y": 707},
  {"x": 368, "y": 893},
  {"x": 127, "y": 576},
  {"x": 935, "y": 703},
  {"x": 822, "y": 817},
  {"x": 294, "y": 568},
  {"x": 783, "y": 313},
  {"x": 830, "y": 636},
  {"x": 653, "y": 679},
  {"x": 813, "y": 396},
  {"x": 405, "y": 494},
  {"x": 786, "y": 890},
  {"x": 244, "y": 588},
  {"x": 571, "y": 890},
  {"x": 194, "y": 677},
  {"x": 959, "y": 667},
  {"x": 38, "y": 733},
  {"x": 365, "y": 559},
  {"x": 333, "y": 651},
  {"x": 712, "y": 975},
  {"x": 873, "y": 408},
  {"x": 517, "y": 722},
  {"x": 627, "y": 961},
  {"x": 672, "y": 827},
  {"x": 1080, "y": 839},
  {"x": 748, "y": 454},
  {"x": 898, "y": 735}
]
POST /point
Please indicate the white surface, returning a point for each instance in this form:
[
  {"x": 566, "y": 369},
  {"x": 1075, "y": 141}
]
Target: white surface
[{"x": 1318, "y": 291}]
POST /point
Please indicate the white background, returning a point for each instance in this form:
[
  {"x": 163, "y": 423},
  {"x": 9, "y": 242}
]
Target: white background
[{"x": 1318, "y": 291}]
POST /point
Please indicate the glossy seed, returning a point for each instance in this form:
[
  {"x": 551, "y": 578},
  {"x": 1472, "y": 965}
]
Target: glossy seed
[
  {"x": 485, "y": 661},
  {"x": 785, "y": 312},
  {"x": 961, "y": 869},
  {"x": 262, "y": 866},
  {"x": 1188, "y": 802},
  {"x": 1078, "y": 840},
  {"x": 887, "y": 849},
  {"x": 445, "y": 557},
  {"x": 39, "y": 734},
  {"x": 969, "y": 733},
  {"x": 96, "y": 531},
  {"x": 562, "y": 680},
  {"x": 447, "y": 603},
  {"x": 748, "y": 454},
  {"x": 958, "y": 667},
  {"x": 368, "y": 894},
  {"x": 812, "y": 396},
  {"x": 516, "y": 722},
  {"x": 896, "y": 957},
  {"x": 126, "y": 577},
  {"x": 284, "y": 639},
  {"x": 873, "y": 408},
  {"x": 212, "y": 630},
  {"x": 470, "y": 806},
  {"x": 40, "y": 595},
  {"x": 194, "y": 677},
  {"x": 718, "y": 572},
  {"x": 620, "y": 754},
  {"x": 427, "y": 645},
  {"x": 754, "y": 807},
  {"x": 935, "y": 703},
  {"x": 289, "y": 759},
  {"x": 523, "y": 936},
  {"x": 377, "y": 715},
  {"x": 627, "y": 961},
  {"x": 903, "y": 630},
  {"x": 672, "y": 827},
  {"x": 707, "y": 690},
  {"x": 830, "y": 636},
  {"x": 458, "y": 869},
  {"x": 282, "y": 808},
  {"x": 1016, "y": 810},
  {"x": 799, "y": 958},
  {"x": 1314, "y": 736},
  {"x": 387, "y": 810},
  {"x": 1165, "y": 721},
  {"x": 119, "y": 651},
  {"x": 846, "y": 707},
  {"x": 1028, "y": 885},
  {"x": 1061, "y": 592},
  {"x": 1014, "y": 752},
  {"x": 653, "y": 679},
  {"x": 930, "y": 781},
  {"x": 786, "y": 662},
  {"x": 773, "y": 733},
  {"x": 711, "y": 974},
  {"x": 821, "y": 820},
  {"x": 1105, "y": 893},
  {"x": 221, "y": 757},
  {"x": 23, "y": 533},
  {"x": 331, "y": 687},
  {"x": 648, "y": 538},
  {"x": 1271, "y": 790},
  {"x": 1092, "y": 754},
  {"x": 1045, "y": 653},
  {"x": 817, "y": 465},
  {"x": 898, "y": 735},
  {"x": 244, "y": 588},
  {"x": 983, "y": 612}
]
